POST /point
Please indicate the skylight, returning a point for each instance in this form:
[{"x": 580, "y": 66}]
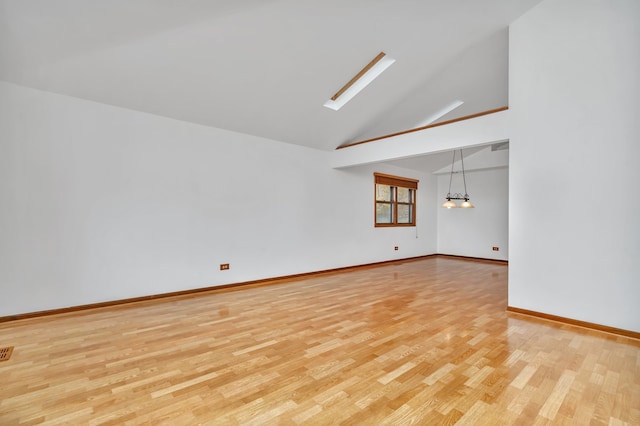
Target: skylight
[
  {"x": 360, "y": 81},
  {"x": 440, "y": 113}
]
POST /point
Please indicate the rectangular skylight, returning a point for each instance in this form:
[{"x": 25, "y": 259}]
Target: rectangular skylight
[
  {"x": 360, "y": 81},
  {"x": 440, "y": 113}
]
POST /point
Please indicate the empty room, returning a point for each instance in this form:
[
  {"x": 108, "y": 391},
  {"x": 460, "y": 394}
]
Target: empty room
[{"x": 285, "y": 212}]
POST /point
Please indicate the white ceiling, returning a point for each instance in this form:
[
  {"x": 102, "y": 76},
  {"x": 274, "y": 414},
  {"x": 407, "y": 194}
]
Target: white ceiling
[{"x": 265, "y": 67}]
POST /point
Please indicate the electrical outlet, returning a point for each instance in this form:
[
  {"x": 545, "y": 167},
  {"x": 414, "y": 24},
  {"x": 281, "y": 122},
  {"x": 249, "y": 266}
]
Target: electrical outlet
[
  {"x": 224, "y": 266},
  {"x": 496, "y": 248},
  {"x": 396, "y": 248}
]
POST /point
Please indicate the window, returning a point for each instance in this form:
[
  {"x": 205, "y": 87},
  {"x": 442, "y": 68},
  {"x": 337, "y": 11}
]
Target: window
[{"x": 395, "y": 200}]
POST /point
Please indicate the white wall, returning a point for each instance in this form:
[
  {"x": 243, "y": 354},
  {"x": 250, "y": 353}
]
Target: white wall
[
  {"x": 474, "y": 232},
  {"x": 100, "y": 203},
  {"x": 574, "y": 246}
]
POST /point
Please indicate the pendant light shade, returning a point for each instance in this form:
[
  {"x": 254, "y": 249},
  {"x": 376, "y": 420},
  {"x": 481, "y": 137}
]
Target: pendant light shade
[{"x": 449, "y": 204}]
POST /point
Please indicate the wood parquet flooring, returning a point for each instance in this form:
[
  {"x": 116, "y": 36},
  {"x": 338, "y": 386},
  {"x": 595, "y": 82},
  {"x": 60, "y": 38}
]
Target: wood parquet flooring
[{"x": 420, "y": 342}]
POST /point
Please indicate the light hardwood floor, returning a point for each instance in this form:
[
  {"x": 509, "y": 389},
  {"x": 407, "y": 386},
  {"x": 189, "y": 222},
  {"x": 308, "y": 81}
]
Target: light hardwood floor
[{"x": 420, "y": 342}]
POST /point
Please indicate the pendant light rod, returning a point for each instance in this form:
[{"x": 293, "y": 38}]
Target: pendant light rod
[
  {"x": 451, "y": 174},
  {"x": 464, "y": 179}
]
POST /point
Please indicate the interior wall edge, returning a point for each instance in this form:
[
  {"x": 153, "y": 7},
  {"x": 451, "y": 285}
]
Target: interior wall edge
[
  {"x": 229, "y": 287},
  {"x": 577, "y": 323}
]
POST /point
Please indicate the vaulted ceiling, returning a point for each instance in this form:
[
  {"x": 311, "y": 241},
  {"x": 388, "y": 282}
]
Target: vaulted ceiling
[{"x": 265, "y": 67}]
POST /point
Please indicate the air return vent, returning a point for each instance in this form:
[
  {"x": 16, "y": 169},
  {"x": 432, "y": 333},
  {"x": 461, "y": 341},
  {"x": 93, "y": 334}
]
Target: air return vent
[
  {"x": 5, "y": 353},
  {"x": 500, "y": 146}
]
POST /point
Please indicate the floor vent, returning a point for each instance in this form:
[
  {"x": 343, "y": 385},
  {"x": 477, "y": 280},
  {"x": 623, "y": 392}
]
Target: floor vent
[{"x": 5, "y": 353}]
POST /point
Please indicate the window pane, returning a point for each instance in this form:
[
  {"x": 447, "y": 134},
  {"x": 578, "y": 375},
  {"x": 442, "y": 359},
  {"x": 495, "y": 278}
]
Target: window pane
[
  {"x": 405, "y": 213},
  {"x": 404, "y": 195},
  {"x": 383, "y": 213},
  {"x": 383, "y": 192}
]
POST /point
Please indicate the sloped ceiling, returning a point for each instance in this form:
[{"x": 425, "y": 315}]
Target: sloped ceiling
[{"x": 265, "y": 67}]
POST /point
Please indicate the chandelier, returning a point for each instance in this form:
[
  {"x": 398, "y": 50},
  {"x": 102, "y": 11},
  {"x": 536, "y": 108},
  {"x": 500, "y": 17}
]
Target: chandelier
[{"x": 449, "y": 204}]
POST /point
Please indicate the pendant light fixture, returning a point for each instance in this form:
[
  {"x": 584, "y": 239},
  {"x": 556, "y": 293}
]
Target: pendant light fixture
[{"x": 449, "y": 204}]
